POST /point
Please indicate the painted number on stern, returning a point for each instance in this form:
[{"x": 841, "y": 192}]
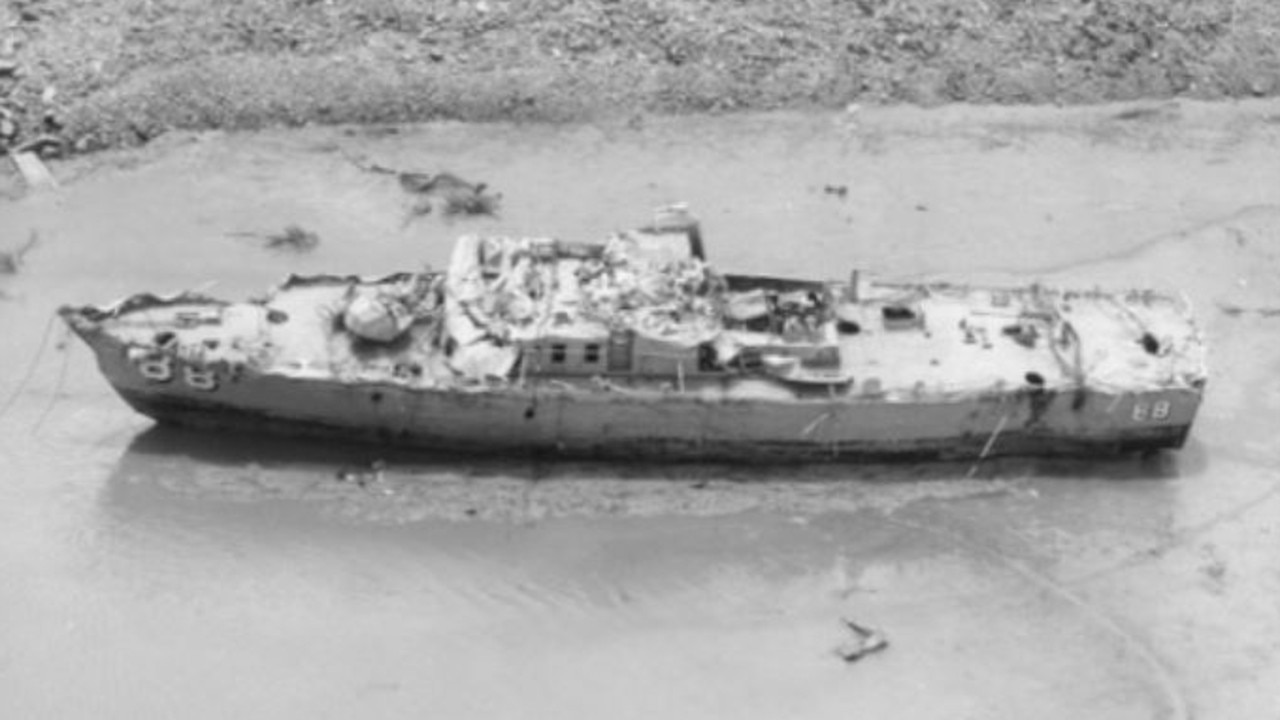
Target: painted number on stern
[{"x": 1155, "y": 412}]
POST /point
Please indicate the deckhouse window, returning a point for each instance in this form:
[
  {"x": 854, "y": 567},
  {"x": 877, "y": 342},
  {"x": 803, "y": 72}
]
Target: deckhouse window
[
  {"x": 591, "y": 354},
  {"x": 558, "y": 352}
]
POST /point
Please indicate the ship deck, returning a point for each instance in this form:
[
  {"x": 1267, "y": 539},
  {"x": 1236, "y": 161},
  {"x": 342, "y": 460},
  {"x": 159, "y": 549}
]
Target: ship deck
[
  {"x": 969, "y": 339},
  {"x": 963, "y": 343}
]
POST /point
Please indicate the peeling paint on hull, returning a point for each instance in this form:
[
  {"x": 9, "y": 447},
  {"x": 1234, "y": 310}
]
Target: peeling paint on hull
[
  {"x": 205, "y": 417},
  {"x": 675, "y": 428}
]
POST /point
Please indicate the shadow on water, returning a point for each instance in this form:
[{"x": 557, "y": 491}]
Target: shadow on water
[
  {"x": 167, "y": 444},
  {"x": 506, "y": 535},
  {"x": 385, "y": 485}
]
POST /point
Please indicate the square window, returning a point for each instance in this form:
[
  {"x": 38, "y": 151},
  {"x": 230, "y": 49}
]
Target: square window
[
  {"x": 558, "y": 352},
  {"x": 591, "y": 354}
]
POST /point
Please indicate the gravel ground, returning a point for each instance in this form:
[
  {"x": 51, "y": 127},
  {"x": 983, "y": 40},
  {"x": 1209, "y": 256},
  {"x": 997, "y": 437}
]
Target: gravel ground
[{"x": 99, "y": 73}]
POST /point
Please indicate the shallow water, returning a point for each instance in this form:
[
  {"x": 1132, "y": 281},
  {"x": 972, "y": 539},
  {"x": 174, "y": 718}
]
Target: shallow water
[{"x": 155, "y": 573}]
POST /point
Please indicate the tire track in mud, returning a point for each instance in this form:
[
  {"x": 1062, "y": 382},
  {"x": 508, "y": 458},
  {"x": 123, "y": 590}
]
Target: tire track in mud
[{"x": 1162, "y": 676}]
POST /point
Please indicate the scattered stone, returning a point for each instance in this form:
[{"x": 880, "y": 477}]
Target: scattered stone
[
  {"x": 840, "y": 191},
  {"x": 44, "y": 146},
  {"x": 363, "y": 477},
  {"x": 8, "y": 67}
]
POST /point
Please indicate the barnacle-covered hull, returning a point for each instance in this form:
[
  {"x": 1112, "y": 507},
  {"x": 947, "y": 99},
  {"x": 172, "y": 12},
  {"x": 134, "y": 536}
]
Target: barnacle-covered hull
[{"x": 542, "y": 348}]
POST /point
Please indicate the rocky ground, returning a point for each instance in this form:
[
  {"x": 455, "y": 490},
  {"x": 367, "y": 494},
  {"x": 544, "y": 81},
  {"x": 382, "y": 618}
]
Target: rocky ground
[{"x": 96, "y": 73}]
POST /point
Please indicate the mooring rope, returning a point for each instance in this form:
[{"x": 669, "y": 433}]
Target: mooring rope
[
  {"x": 65, "y": 347},
  {"x": 31, "y": 368}
]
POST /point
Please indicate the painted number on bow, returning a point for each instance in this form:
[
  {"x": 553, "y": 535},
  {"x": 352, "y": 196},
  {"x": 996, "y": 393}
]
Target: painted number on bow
[
  {"x": 200, "y": 378},
  {"x": 157, "y": 369}
]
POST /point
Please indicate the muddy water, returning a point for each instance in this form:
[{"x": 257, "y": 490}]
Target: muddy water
[{"x": 151, "y": 573}]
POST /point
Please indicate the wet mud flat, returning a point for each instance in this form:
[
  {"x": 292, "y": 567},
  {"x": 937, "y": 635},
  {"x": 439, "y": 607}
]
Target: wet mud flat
[{"x": 155, "y": 572}]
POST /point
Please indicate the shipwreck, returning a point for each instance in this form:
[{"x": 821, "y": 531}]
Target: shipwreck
[{"x": 636, "y": 347}]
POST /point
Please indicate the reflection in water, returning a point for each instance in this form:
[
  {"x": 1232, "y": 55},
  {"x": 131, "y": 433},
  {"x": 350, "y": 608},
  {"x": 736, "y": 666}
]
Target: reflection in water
[
  {"x": 587, "y": 530},
  {"x": 388, "y": 486},
  {"x": 608, "y": 580}
]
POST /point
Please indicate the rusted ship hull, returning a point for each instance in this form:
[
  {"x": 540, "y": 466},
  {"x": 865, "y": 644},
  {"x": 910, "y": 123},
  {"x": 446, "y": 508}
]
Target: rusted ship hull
[
  {"x": 567, "y": 421},
  {"x": 661, "y": 446},
  {"x": 637, "y": 348}
]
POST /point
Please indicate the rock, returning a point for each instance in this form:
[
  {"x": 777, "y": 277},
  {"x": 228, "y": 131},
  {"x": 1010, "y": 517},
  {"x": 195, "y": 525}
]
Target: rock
[{"x": 33, "y": 170}]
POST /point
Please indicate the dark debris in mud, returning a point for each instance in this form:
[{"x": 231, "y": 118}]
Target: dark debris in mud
[
  {"x": 865, "y": 641},
  {"x": 1231, "y": 310},
  {"x": 293, "y": 238},
  {"x": 449, "y": 195},
  {"x": 473, "y": 204},
  {"x": 443, "y": 193},
  {"x": 11, "y": 261}
]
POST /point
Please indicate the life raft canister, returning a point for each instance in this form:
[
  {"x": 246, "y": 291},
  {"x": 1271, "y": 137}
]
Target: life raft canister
[{"x": 376, "y": 319}]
